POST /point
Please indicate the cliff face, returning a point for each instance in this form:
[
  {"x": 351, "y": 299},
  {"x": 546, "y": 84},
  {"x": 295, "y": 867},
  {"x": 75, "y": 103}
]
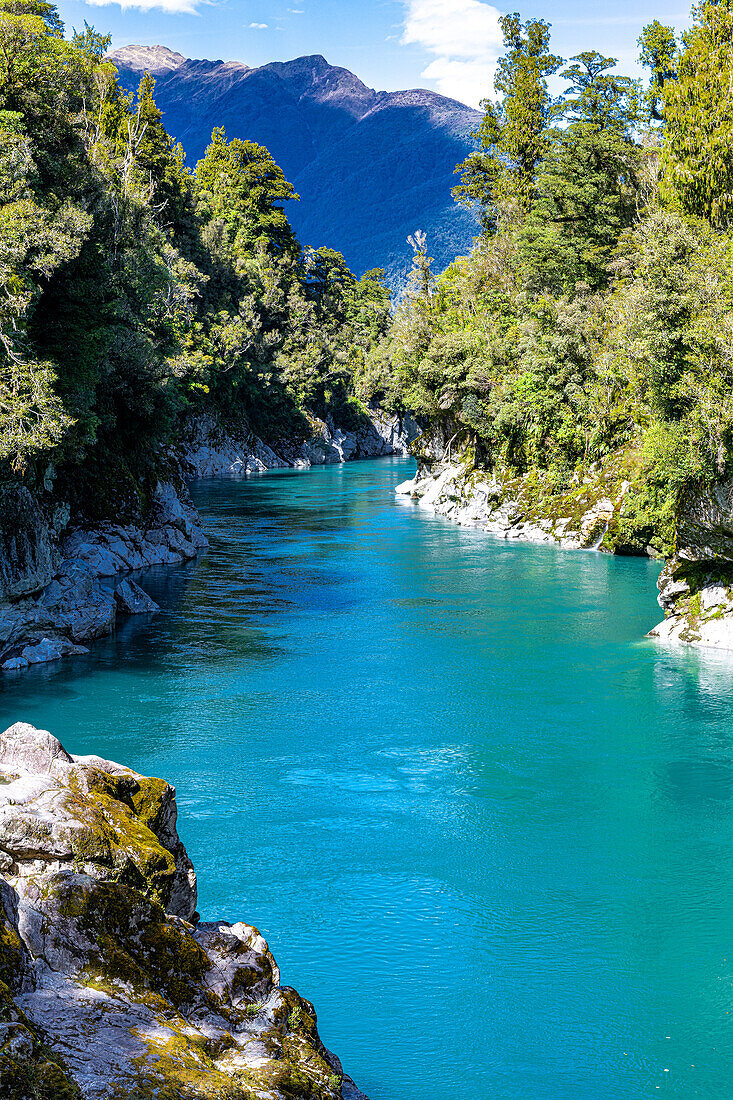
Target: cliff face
[
  {"x": 696, "y": 584},
  {"x": 211, "y": 450},
  {"x": 54, "y": 596},
  {"x": 110, "y": 986}
]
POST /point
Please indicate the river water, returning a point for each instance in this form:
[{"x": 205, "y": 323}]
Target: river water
[{"x": 484, "y": 825}]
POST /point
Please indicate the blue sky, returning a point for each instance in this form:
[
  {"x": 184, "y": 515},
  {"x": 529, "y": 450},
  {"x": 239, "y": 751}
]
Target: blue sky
[{"x": 448, "y": 45}]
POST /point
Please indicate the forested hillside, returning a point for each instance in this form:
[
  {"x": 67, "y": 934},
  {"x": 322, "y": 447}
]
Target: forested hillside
[
  {"x": 369, "y": 166},
  {"x": 589, "y": 334},
  {"x": 138, "y": 293}
]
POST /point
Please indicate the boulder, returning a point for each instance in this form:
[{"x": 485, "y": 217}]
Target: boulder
[
  {"x": 132, "y": 600},
  {"x": 114, "y": 986},
  {"x": 27, "y": 749},
  {"x": 76, "y": 604},
  {"x": 12, "y": 664}
]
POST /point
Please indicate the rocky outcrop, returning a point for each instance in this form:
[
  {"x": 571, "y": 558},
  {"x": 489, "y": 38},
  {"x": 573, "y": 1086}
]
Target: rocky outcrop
[
  {"x": 511, "y": 509},
  {"x": 696, "y": 585},
  {"x": 26, "y": 547},
  {"x": 56, "y": 595},
  {"x": 212, "y": 450},
  {"x": 110, "y": 985}
]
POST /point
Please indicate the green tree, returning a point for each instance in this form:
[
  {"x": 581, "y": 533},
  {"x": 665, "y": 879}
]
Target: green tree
[
  {"x": 658, "y": 48},
  {"x": 598, "y": 97},
  {"x": 512, "y": 137},
  {"x": 240, "y": 187},
  {"x": 588, "y": 183},
  {"x": 697, "y": 161},
  {"x": 153, "y": 160}
]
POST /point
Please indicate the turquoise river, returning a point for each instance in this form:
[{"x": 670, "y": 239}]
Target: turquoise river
[{"x": 485, "y": 826}]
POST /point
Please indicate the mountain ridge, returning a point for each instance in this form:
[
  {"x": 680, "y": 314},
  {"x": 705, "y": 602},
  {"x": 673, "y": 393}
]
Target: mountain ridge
[{"x": 370, "y": 166}]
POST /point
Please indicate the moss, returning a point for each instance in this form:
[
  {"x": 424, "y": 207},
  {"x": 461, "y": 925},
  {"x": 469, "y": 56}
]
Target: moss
[
  {"x": 174, "y": 960},
  {"x": 11, "y": 953},
  {"x": 149, "y": 801},
  {"x": 180, "y": 1068},
  {"x": 114, "y": 836},
  {"x": 136, "y": 943},
  {"x": 37, "y": 1078},
  {"x": 37, "y": 1073}
]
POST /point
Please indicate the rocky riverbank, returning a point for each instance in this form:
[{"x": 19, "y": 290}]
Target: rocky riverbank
[
  {"x": 58, "y": 586},
  {"x": 509, "y": 509},
  {"x": 696, "y": 584},
  {"x": 110, "y": 985},
  {"x": 61, "y": 580},
  {"x": 210, "y": 449}
]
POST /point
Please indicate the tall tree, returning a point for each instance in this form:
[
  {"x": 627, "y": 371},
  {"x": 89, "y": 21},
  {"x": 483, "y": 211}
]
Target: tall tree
[
  {"x": 598, "y": 97},
  {"x": 512, "y": 137},
  {"x": 697, "y": 162},
  {"x": 658, "y": 48},
  {"x": 241, "y": 187},
  {"x": 586, "y": 188}
]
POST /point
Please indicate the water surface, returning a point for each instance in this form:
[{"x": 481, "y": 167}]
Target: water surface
[{"x": 485, "y": 826}]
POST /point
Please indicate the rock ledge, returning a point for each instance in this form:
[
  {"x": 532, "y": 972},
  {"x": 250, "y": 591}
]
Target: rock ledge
[{"x": 110, "y": 986}]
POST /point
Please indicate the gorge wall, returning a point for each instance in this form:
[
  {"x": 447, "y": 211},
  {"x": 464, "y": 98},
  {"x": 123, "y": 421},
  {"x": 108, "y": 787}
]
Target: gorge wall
[{"x": 60, "y": 578}]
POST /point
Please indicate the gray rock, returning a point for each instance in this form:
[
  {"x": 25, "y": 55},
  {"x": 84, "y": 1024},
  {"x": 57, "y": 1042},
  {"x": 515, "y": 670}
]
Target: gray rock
[
  {"x": 25, "y": 748},
  {"x": 26, "y": 553},
  {"x": 132, "y": 600},
  {"x": 14, "y": 663},
  {"x": 215, "y": 451},
  {"x": 76, "y": 604},
  {"x": 46, "y": 650},
  {"x": 50, "y": 649},
  {"x": 97, "y": 904},
  {"x": 705, "y": 524},
  {"x": 454, "y": 488}
]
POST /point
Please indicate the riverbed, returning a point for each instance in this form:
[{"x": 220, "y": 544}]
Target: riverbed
[{"x": 485, "y": 826}]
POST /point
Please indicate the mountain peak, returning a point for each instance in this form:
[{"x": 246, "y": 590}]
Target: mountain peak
[
  {"x": 370, "y": 166},
  {"x": 153, "y": 59}
]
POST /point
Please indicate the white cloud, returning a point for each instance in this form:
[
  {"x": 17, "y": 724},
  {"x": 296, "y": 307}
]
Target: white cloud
[
  {"x": 258, "y": 26},
  {"x": 174, "y": 7},
  {"x": 466, "y": 40}
]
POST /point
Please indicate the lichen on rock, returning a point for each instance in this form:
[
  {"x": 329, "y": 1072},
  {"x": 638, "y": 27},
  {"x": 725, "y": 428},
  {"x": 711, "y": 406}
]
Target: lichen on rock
[{"x": 110, "y": 985}]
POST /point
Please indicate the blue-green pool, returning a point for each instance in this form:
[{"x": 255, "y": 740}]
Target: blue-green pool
[{"x": 485, "y": 826}]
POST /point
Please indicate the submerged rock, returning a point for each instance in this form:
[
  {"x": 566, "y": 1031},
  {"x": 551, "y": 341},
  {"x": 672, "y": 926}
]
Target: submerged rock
[
  {"x": 132, "y": 600},
  {"x": 111, "y": 985}
]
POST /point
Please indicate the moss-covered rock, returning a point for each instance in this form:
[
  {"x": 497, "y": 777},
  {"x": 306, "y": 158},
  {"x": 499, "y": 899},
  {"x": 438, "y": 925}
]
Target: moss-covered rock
[{"x": 140, "y": 1000}]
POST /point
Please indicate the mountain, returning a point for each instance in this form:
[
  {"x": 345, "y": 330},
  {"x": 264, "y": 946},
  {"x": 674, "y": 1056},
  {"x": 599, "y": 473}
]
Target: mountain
[{"x": 370, "y": 167}]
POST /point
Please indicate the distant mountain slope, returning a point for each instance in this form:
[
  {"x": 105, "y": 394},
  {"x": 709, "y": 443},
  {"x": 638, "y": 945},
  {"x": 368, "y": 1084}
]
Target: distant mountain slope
[{"x": 370, "y": 167}]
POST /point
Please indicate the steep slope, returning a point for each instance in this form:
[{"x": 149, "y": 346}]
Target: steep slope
[{"x": 370, "y": 167}]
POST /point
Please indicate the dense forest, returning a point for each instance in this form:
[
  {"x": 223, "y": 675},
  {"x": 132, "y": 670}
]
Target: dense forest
[
  {"x": 590, "y": 328},
  {"x": 136, "y": 292}
]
